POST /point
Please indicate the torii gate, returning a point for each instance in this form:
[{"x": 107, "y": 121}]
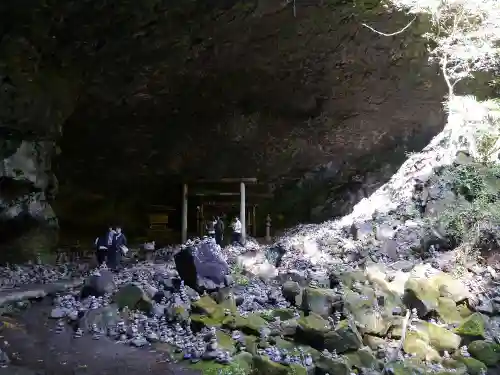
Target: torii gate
[{"x": 242, "y": 194}]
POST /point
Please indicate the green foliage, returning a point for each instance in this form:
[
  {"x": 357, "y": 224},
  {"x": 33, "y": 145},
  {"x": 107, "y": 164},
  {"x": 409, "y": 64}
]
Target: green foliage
[
  {"x": 233, "y": 368},
  {"x": 477, "y": 214},
  {"x": 238, "y": 276}
]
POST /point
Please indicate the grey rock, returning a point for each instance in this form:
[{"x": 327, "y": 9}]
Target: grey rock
[
  {"x": 98, "y": 284},
  {"x": 202, "y": 266},
  {"x": 58, "y": 313}
]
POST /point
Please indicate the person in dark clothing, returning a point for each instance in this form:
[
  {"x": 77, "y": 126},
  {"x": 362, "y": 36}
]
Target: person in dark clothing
[
  {"x": 102, "y": 245},
  {"x": 211, "y": 228},
  {"x": 219, "y": 230},
  {"x": 115, "y": 251}
]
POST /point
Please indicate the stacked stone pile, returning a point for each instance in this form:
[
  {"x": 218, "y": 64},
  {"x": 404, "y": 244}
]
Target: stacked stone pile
[{"x": 405, "y": 317}]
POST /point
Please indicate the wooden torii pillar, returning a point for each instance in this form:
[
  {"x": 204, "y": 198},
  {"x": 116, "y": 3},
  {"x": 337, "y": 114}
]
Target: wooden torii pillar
[
  {"x": 184, "y": 213},
  {"x": 243, "y": 217},
  {"x": 243, "y": 196}
]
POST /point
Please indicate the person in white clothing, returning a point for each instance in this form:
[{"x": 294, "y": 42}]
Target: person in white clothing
[{"x": 236, "y": 225}]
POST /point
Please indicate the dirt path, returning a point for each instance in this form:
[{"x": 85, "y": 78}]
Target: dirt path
[{"x": 33, "y": 345}]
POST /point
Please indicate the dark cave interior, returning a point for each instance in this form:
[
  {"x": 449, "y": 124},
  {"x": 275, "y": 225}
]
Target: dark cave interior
[{"x": 122, "y": 102}]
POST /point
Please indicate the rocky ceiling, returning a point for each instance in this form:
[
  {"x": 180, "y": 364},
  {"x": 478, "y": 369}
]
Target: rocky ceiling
[{"x": 145, "y": 93}]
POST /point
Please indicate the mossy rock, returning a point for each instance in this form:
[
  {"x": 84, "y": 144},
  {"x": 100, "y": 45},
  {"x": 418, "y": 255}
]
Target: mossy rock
[
  {"x": 333, "y": 366},
  {"x": 313, "y": 322},
  {"x": 449, "y": 311},
  {"x": 288, "y": 328},
  {"x": 311, "y": 330},
  {"x": 251, "y": 324},
  {"x": 406, "y": 367},
  {"x": 226, "y": 342},
  {"x": 362, "y": 358},
  {"x": 180, "y": 313},
  {"x": 428, "y": 339},
  {"x": 319, "y": 301},
  {"x": 452, "y": 366},
  {"x": 474, "y": 367},
  {"x": 207, "y": 306},
  {"x": 133, "y": 297},
  {"x": 251, "y": 344},
  {"x": 344, "y": 338},
  {"x": 292, "y": 292},
  {"x": 421, "y": 295},
  {"x": 349, "y": 278},
  {"x": 225, "y": 300},
  {"x": 368, "y": 319},
  {"x": 486, "y": 352},
  {"x": 282, "y": 314},
  {"x": 241, "y": 364},
  {"x": 292, "y": 346},
  {"x": 419, "y": 347},
  {"x": 439, "y": 337},
  {"x": 449, "y": 287},
  {"x": 199, "y": 321},
  {"x": 464, "y": 311},
  {"x": 414, "y": 366},
  {"x": 373, "y": 342},
  {"x": 263, "y": 365},
  {"x": 473, "y": 326}
]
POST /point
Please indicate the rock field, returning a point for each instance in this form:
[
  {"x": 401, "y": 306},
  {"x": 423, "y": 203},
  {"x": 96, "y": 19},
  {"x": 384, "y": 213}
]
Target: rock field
[{"x": 403, "y": 317}]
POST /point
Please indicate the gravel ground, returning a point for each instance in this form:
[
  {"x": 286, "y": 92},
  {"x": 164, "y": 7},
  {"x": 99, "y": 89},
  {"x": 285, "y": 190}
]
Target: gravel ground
[{"x": 31, "y": 344}]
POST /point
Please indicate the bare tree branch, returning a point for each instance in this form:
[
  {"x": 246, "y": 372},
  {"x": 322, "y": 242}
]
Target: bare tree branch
[{"x": 392, "y": 34}]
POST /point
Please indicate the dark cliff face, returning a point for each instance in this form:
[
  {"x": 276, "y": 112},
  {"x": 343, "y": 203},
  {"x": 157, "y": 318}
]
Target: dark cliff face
[{"x": 144, "y": 94}]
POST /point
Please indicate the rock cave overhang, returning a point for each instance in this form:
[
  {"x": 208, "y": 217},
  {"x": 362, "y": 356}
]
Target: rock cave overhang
[{"x": 155, "y": 124}]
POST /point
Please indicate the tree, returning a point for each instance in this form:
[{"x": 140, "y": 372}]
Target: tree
[{"x": 464, "y": 36}]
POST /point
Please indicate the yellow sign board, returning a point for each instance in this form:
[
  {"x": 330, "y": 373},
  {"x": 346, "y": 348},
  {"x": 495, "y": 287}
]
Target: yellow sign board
[{"x": 155, "y": 219}]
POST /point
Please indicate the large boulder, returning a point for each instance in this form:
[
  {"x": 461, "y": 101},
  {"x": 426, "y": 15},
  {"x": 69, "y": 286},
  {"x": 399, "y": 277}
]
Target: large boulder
[
  {"x": 133, "y": 297},
  {"x": 201, "y": 266},
  {"x": 99, "y": 284},
  {"x": 426, "y": 286},
  {"x": 103, "y": 318}
]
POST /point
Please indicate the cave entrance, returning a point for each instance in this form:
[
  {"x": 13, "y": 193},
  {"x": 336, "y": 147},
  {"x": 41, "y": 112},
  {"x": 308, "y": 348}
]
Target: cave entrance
[{"x": 218, "y": 197}]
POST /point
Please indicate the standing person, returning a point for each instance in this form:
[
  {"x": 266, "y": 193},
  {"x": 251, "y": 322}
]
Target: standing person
[
  {"x": 103, "y": 244},
  {"x": 119, "y": 241},
  {"x": 211, "y": 228},
  {"x": 236, "y": 225},
  {"x": 219, "y": 231}
]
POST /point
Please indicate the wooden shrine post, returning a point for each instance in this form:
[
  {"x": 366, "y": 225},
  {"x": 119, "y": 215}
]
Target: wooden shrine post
[
  {"x": 254, "y": 222},
  {"x": 243, "y": 218},
  {"x": 184, "y": 213}
]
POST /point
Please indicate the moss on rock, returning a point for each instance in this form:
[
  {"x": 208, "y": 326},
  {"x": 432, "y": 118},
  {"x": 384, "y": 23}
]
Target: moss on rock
[
  {"x": 419, "y": 347},
  {"x": 486, "y": 352},
  {"x": 241, "y": 364},
  {"x": 319, "y": 300},
  {"x": 206, "y": 305},
  {"x": 427, "y": 339},
  {"x": 250, "y": 324},
  {"x": 345, "y": 337},
  {"x": 200, "y": 321},
  {"x": 226, "y": 342},
  {"x": 133, "y": 297},
  {"x": 448, "y": 310},
  {"x": 282, "y": 314},
  {"x": 473, "y": 326},
  {"x": 337, "y": 366},
  {"x": 263, "y": 365},
  {"x": 362, "y": 358},
  {"x": 474, "y": 367},
  {"x": 349, "y": 278}
]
